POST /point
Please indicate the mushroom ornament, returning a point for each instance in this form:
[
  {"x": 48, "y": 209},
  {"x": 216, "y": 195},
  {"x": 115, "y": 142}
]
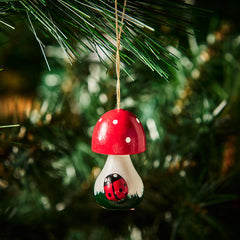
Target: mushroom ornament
[{"x": 118, "y": 134}]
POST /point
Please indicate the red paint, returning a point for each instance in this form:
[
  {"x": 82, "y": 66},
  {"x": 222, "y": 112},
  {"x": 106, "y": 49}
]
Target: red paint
[
  {"x": 118, "y": 132},
  {"x": 115, "y": 187}
]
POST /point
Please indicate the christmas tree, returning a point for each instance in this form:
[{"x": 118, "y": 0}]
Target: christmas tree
[{"x": 179, "y": 75}]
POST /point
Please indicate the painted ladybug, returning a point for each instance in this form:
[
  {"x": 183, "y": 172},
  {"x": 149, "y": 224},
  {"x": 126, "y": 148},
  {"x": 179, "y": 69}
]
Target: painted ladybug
[{"x": 115, "y": 187}]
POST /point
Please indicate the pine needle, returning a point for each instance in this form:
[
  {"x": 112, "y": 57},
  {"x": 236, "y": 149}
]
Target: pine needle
[
  {"x": 68, "y": 22},
  {"x": 39, "y": 41},
  {"x": 6, "y": 24},
  {"x": 10, "y": 126}
]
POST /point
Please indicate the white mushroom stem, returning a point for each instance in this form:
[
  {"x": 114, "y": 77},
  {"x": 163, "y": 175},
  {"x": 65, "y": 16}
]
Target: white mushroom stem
[{"x": 122, "y": 165}]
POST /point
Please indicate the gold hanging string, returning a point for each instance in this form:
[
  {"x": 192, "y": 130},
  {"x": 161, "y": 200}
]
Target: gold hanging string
[{"x": 118, "y": 37}]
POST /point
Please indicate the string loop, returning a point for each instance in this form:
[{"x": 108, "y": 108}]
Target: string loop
[{"x": 118, "y": 37}]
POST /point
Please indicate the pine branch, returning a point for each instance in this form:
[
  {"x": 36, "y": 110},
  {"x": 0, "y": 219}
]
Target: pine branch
[
  {"x": 9, "y": 126},
  {"x": 73, "y": 22}
]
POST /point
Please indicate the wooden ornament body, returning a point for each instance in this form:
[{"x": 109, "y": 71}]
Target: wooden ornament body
[
  {"x": 118, "y": 132},
  {"x": 121, "y": 165}
]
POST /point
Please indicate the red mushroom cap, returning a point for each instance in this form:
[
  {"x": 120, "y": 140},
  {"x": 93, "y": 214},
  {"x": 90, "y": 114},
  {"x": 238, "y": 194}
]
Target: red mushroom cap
[{"x": 118, "y": 132}]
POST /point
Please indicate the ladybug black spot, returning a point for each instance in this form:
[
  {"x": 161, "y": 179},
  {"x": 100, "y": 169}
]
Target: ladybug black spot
[
  {"x": 120, "y": 190},
  {"x": 109, "y": 194}
]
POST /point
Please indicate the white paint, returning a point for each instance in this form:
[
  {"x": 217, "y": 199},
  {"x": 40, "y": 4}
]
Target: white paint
[
  {"x": 128, "y": 139},
  {"x": 115, "y": 121},
  {"x": 122, "y": 165}
]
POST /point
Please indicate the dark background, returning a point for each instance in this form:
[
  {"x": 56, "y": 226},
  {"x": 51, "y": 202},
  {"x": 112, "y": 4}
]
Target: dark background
[{"x": 190, "y": 169}]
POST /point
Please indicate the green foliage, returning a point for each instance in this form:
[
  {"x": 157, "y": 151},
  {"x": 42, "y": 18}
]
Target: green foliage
[
  {"x": 190, "y": 169},
  {"x": 83, "y": 26}
]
